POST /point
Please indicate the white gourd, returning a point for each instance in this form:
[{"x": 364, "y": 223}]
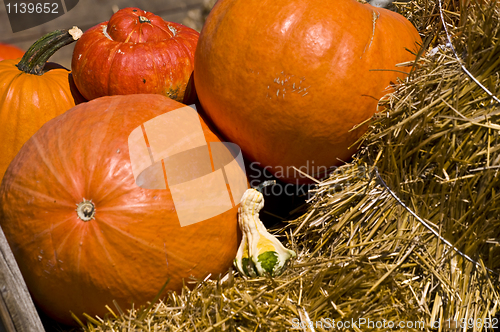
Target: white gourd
[{"x": 259, "y": 253}]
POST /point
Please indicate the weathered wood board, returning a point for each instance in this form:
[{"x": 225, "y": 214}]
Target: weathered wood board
[{"x": 17, "y": 311}]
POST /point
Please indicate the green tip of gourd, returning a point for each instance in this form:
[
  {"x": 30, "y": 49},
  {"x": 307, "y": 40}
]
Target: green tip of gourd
[{"x": 268, "y": 260}]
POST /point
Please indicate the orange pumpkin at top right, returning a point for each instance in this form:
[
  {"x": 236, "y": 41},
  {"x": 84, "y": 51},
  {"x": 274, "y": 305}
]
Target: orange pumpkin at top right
[{"x": 287, "y": 80}]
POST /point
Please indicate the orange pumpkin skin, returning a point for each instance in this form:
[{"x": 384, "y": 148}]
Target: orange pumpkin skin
[
  {"x": 134, "y": 244},
  {"x": 28, "y": 100},
  {"x": 10, "y": 52},
  {"x": 299, "y": 77},
  {"x": 134, "y": 52}
]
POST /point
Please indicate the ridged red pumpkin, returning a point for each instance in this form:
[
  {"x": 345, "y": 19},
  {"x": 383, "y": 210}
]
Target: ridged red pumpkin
[
  {"x": 32, "y": 92},
  {"x": 10, "y": 52},
  {"x": 124, "y": 244},
  {"x": 287, "y": 80},
  {"x": 134, "y": 52}
]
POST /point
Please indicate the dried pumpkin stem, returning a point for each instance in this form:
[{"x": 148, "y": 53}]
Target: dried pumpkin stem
[
  {"x": 264, "y": 184},
  {"x": 85, "y": 210},
  {"x": 37, "y": 55}
]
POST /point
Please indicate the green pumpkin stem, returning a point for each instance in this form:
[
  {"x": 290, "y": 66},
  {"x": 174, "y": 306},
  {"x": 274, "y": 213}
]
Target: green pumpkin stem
[{"x": 37, "y": 55}]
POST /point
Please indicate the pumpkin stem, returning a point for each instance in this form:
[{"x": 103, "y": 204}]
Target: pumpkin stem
[
  {"x": 264, "y": 184},
  {"x": 143, "y": 19},
  {"x": 85, "y": 210},
  {"x": 37, "y": 55}
]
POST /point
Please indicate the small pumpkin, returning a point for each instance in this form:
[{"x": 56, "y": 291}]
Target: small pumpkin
[
  {"x": 289, "y": 84},
  {"x": 33, "y": 91},
  {"x": 86, "y": 231},
  {"x": 134, "y": 52},
  {"x": 8, "y": 51}
]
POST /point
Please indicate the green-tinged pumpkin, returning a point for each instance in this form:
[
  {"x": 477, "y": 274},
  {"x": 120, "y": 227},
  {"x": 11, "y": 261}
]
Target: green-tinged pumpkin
[
  {"x": 287, "y": 80},
  {"x": 86, "y": 231},
  {"x": 135, "y": 52},
  {"x": 33, "y": 91}
]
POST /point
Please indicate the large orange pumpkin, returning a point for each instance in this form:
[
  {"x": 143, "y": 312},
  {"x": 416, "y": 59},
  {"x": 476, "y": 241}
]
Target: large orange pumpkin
[
  {"x": 287, "y": 80},
  {"x": 134, "y": 52},
  {"x": 10, "y": 52},
  {"x": 81, "y": 229},
  {"x": 32, "y": 92}
]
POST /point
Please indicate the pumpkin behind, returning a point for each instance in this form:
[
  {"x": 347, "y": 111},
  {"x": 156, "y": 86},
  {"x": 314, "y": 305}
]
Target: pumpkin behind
[
  {"x": 133, "y": 243},
  {"x": 135, "y": 52},
  {"x": 8, "y": 51},
  {"x": 33, "y": 91}
]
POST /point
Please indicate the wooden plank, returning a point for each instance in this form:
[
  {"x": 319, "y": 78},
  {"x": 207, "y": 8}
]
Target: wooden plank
[{"x": 17, "y": 311}]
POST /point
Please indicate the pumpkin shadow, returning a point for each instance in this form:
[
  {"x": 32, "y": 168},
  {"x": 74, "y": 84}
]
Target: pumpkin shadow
[
  {"x": 190, "y": 96},
  {"x": 282, "y": 201},
  {"x": 77, "y": 96},
  {"x": 51, "y": 325}
]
